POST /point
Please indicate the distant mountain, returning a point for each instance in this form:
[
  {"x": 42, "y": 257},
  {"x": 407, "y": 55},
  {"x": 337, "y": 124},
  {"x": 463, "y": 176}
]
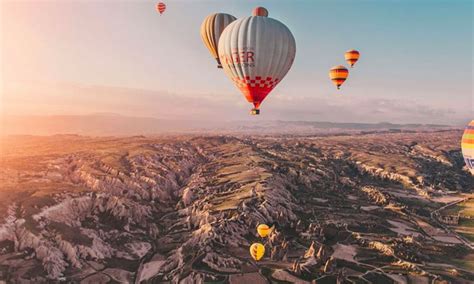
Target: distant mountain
[
  {"x": 96, "y": 124},
  {"x": 105, "y": 124}
]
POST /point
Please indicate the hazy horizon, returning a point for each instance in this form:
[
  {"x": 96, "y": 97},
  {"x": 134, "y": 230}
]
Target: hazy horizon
[{"x": 109, "y": 124}]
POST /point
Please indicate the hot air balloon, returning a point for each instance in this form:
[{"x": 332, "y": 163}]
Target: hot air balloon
[
  {"x": 211, "y": 30},
  {"x": 256, "y": 53},
  {"x": 338, "y": 74},
  {"x": 351, "y": 57},
  {"x": 263, "y": 230},
  {"x": 160, "y": 7},
  {"x": 257, "y": 250},
  {"x": 260, "y": 11},
  {"x": 467, "y": 146}
]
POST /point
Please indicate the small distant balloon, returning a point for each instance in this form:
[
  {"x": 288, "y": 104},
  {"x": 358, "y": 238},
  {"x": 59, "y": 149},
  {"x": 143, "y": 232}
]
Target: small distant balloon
[
  {"x": 351, "y": 57},
  {"x": 257, "y": 250},
  {"x": 260, "y": 11},
  {"x": 467, "y": 146},
  {"x": 338, "y": 75},
  {"x": 263, "y": 230},
  {"x": 160, "y": 7}
]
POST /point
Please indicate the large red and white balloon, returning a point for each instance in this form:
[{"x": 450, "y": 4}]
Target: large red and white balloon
[{"x": 256, "y": 53}]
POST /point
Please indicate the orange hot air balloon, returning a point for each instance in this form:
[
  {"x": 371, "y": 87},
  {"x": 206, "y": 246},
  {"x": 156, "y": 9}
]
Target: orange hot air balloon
[
  {"x": 351, "y": 57},
  {"x": 264, "y": 230},
  {"x": 260, "y": 11},
  {"x": 338, "y": 74},
  {"x": 160, "y": 7}
]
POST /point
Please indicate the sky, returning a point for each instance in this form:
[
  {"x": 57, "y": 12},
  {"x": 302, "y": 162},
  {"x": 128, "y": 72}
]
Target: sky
[{"x": 81, "y": 57}]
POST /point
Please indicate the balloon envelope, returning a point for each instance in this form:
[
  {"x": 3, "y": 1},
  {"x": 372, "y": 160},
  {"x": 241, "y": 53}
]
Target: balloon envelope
[
  {"x": 211, "y": 30},
  {"x": 256, "y": 54},
  {"x": 263, "y": 230},
  {"x": 160, "y": 7},
  {"x": 257, "y": 250},
  {"x": 338, "y": 75},
  {"x": 467, "y": 146},
  {"x": 351, "y": 56}
]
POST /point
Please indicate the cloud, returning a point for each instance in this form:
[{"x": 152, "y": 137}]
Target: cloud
[
  {"x": 69, "y": 99},
  {"x": 364, "y": 110}
]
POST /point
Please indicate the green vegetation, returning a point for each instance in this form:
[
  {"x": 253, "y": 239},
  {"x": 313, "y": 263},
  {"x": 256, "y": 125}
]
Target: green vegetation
[
  {"x": 465, "y": 210},
  {"x": 466, "y": 262}
]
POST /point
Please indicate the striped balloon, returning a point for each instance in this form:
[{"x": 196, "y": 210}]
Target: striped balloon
[
  {"x": 256, "y": 53},
  {"x": 467, "y": 146},
  {"x": 160, "y": 7},
  {"x": 257, "y": 250},
  {"x": 338, "y": 74},
  {"x": 260, "y": 11},
  {"x": 351, "y": 57},
  {"x": 211, "y": 30}
]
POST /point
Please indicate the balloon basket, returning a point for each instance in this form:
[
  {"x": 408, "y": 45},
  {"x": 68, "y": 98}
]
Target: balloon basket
[{"x": 255, "y": 111}]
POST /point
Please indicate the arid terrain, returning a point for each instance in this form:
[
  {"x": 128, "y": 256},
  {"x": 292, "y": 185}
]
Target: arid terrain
[{"x": 358, "y": 208}]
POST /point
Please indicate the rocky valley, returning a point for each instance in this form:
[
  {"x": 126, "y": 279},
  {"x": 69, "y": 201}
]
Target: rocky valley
[{"x": 346, "y": 208}]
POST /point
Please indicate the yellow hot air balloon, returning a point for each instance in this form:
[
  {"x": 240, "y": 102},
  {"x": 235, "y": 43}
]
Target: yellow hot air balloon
[
  {"x": 263, "y": 230},
  {"x": 467, "y": 146},
  {"x": 257, "y": 250},
  {"x": 338, "y": 74},
  {"x": 211, "y": 30},
  {"x": 351, "y": 57}
]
